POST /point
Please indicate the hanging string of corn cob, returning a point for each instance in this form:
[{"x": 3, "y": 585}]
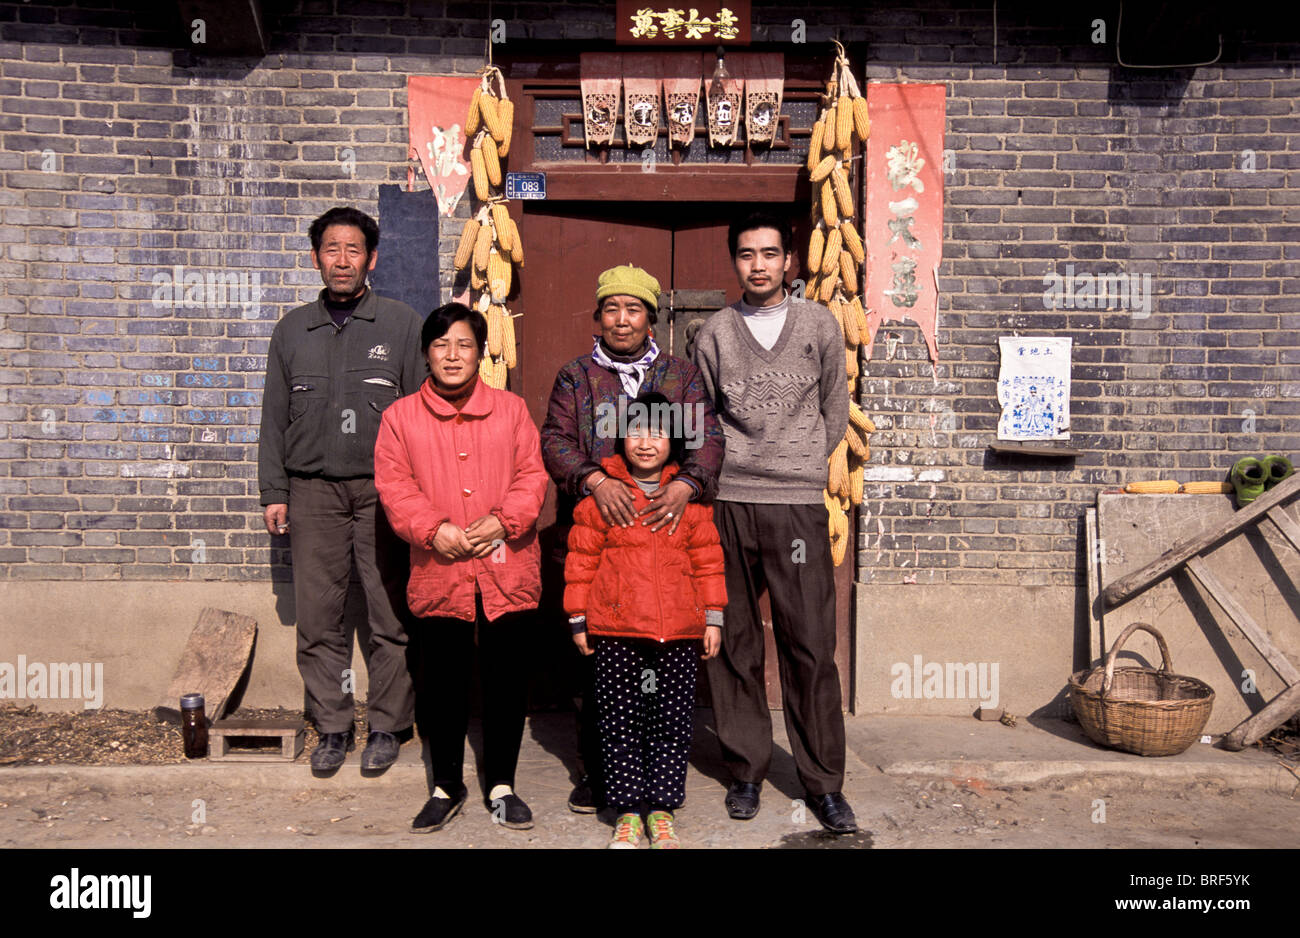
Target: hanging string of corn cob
[
  {"x": 490, "y": 245},
  {"x": 835, "y": 260}
]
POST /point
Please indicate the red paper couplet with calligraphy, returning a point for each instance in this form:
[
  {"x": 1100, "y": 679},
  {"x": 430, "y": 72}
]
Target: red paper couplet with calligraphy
[
  {"x": 437, "y": 109},
  {"x": 904, "y": 213},
  {"x": 601, "y": 79},
  {"x": 646, "y": 22}
]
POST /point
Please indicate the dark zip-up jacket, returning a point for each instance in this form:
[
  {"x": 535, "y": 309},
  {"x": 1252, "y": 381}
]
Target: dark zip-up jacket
[{"x": 326, "y": 388}]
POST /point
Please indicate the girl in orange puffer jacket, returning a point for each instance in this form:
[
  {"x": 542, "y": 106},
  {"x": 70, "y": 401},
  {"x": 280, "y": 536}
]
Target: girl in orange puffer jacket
[{"x": 640, "y": 599}]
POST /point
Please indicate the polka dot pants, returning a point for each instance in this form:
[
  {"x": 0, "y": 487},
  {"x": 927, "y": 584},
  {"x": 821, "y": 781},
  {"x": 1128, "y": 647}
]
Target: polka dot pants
[{"x": 645, "y": 702}]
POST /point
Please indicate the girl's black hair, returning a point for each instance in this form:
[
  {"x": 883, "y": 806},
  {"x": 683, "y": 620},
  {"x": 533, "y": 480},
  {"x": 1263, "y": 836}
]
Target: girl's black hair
[
  {"x": 441, "y": 319},
  {"x": 658, "y": 411}
]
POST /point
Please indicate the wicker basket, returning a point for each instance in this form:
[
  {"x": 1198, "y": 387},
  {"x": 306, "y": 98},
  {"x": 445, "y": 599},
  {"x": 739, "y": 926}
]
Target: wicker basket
[{"x": 1143, "y": 710}]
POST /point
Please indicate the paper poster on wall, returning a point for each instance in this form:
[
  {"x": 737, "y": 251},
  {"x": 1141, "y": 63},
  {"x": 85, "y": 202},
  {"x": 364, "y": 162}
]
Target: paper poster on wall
[
  {"x": 438, "y": 106},
  {"x": 1034, "y": 388}
]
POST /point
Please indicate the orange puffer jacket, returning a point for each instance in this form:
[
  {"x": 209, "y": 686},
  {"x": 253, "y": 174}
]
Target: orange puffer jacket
[{"x": 637, "y": 583}]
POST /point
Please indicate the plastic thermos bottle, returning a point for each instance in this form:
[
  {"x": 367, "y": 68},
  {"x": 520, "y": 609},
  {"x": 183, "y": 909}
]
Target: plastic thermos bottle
[{"x": 194, "y": 726}]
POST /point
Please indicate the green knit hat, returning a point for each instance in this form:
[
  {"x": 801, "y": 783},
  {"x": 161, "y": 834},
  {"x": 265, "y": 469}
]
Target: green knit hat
[{"x": 629, "y": 281}]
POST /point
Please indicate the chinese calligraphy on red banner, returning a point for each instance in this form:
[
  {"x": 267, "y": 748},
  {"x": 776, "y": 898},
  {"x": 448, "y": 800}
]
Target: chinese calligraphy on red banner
[{"x": 904, "y": 214}]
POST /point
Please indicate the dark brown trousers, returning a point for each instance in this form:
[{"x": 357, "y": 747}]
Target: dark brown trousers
[
  {"x": 785, "y": 549},
  {"x": 331, "y": 523}
]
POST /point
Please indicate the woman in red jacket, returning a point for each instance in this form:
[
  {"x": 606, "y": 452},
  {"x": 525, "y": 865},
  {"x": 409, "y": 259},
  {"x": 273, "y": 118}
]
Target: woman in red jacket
[
  {"x": 645, "y": 597},
  {"x": 458, "y": 466}
]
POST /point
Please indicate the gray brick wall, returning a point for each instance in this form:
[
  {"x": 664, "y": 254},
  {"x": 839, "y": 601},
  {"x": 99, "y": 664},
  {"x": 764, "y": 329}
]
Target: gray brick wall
[{"x": 128, "y": 430}]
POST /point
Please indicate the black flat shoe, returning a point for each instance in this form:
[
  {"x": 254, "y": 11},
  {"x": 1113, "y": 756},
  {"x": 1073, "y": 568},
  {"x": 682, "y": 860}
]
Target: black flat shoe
[
  {"x": 742, "y": 800},
  {"x": 510, "y": 811},
  {"x": 833, "y": 812},
  {"x": 582, "y": 800},
  {"x": 332, "y": 749},
  {"x": 437, "y": 812},
  {"x": 381, "y": 751}
]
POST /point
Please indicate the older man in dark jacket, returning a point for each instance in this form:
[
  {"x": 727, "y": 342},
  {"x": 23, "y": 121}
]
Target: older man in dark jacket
[
  {"x": 589, "y": 399},
  {"x": 333, "y": 366}
]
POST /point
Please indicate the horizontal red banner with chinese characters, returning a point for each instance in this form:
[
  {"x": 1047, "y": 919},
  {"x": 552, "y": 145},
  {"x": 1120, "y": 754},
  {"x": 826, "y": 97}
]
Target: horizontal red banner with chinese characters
[{"x": 644, "y": 22}]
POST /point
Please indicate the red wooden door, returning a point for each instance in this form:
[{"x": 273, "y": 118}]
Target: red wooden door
[{"x": 685, "y": 247}]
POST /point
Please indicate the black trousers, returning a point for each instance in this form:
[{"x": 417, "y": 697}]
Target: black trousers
[
  {"x": 331, "y": 523},
  {"x": 645, "y": 703},
  {"x": 446, "y": 667},
  {"x": 785, "y": 549}
]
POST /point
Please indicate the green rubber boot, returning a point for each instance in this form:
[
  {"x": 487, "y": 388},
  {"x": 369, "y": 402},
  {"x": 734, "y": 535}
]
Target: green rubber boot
[
  {"x": 1276, "y": 468},
  {"x": 1248, "y": 479}
]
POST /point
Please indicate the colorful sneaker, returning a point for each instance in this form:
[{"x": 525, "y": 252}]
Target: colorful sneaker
[
  {"x": 662, "y": 835},
  {"x": 628, "y": 831},
  {"x": 1248, "y": 479},
  {"x": 1276, "y": 468}
]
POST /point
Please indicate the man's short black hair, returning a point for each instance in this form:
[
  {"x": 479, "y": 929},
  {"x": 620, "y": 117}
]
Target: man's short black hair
[
  {"x": 442, "y": 318},
  {"x": 657, "y": 411},
  {"x": 759, "y": 220},
  {"x": 343, "y": 215}
]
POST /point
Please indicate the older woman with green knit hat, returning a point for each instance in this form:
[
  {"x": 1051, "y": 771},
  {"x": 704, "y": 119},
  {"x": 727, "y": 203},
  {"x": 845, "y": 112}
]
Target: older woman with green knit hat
[{"x": 581, "y": 429}]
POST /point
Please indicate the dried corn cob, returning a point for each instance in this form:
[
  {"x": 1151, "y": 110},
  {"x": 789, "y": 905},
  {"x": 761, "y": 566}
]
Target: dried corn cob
[
  {"x": 1157, "y": 487},
  {"x": 851, "y": 362},
  {"x": 498, "y": 277},
  {"x": 465, "y": 249},
  {"x": 816, "y": 241},
  {"x": 852, "y": 241},
  {"x": 482, "y": 248},
  {"x": 825, "y": 288},
  {"x": 828, "y": 132},
  {"x": 856, "y": 444},
  {"x": 516, "y": 245},
  {"x": 861, "y": 120},
  {"x": 838, "y": 479},
  {"x": 849, "y": 323},
  {"x": 501, "y": 222},
  {"x": 480, "y": 173},
  {"x": 509, "y": 351},
  {"x": 829, "y": 214},
  {"x": 491, "y": 162},
  {"x": 843, "y": 194},
  {"x": 1207, "y": 488},
  {"x": 858, "y": 417},
  {"x": 857, "y": 479},
  {"x": 474, "y": 119},
  {"x": 506, "y": 113},
  {"x": 848, "y": 276},
  {"x": 844, "y": 121},
  {"x": 823, "y": 169},
  {"x": 487, "y": 106},
  {"x": 839, "y": 550},
  {"x": 815, "y": 144},
  {"x": 494, "y": 330},
  {"x": 831, "y": 253}
]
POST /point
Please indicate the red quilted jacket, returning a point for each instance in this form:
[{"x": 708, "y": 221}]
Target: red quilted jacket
[{"x": 635, "y": 583}]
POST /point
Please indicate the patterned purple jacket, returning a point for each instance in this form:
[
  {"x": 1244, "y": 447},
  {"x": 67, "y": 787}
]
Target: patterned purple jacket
[{"x": 572, "y": 449}]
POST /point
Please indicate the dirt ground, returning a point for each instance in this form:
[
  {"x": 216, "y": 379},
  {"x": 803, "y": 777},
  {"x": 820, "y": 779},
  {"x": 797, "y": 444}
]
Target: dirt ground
[{"x": 203, "y": 805}]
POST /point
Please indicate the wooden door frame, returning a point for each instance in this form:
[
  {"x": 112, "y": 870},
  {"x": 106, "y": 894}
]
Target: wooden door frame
[{"x": 556, "y": 75}]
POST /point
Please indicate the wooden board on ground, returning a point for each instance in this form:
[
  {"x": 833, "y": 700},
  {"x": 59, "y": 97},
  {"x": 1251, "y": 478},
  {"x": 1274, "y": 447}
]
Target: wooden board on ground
[
  {"x": 1259, "y": 568},
  {"x": 211, "y": 664}
]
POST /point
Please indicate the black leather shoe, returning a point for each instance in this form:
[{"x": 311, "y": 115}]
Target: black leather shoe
[
  {"x": 381, "y": 751},
  {"x": 742, "y": 800},
  {"x": 332, "y": 749},
  {"x": 510, "y": 811},
  {"x": 582, "y": 800},
  {"x": 833, "y": 812},
  {"x": 437, "y": 812}
]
